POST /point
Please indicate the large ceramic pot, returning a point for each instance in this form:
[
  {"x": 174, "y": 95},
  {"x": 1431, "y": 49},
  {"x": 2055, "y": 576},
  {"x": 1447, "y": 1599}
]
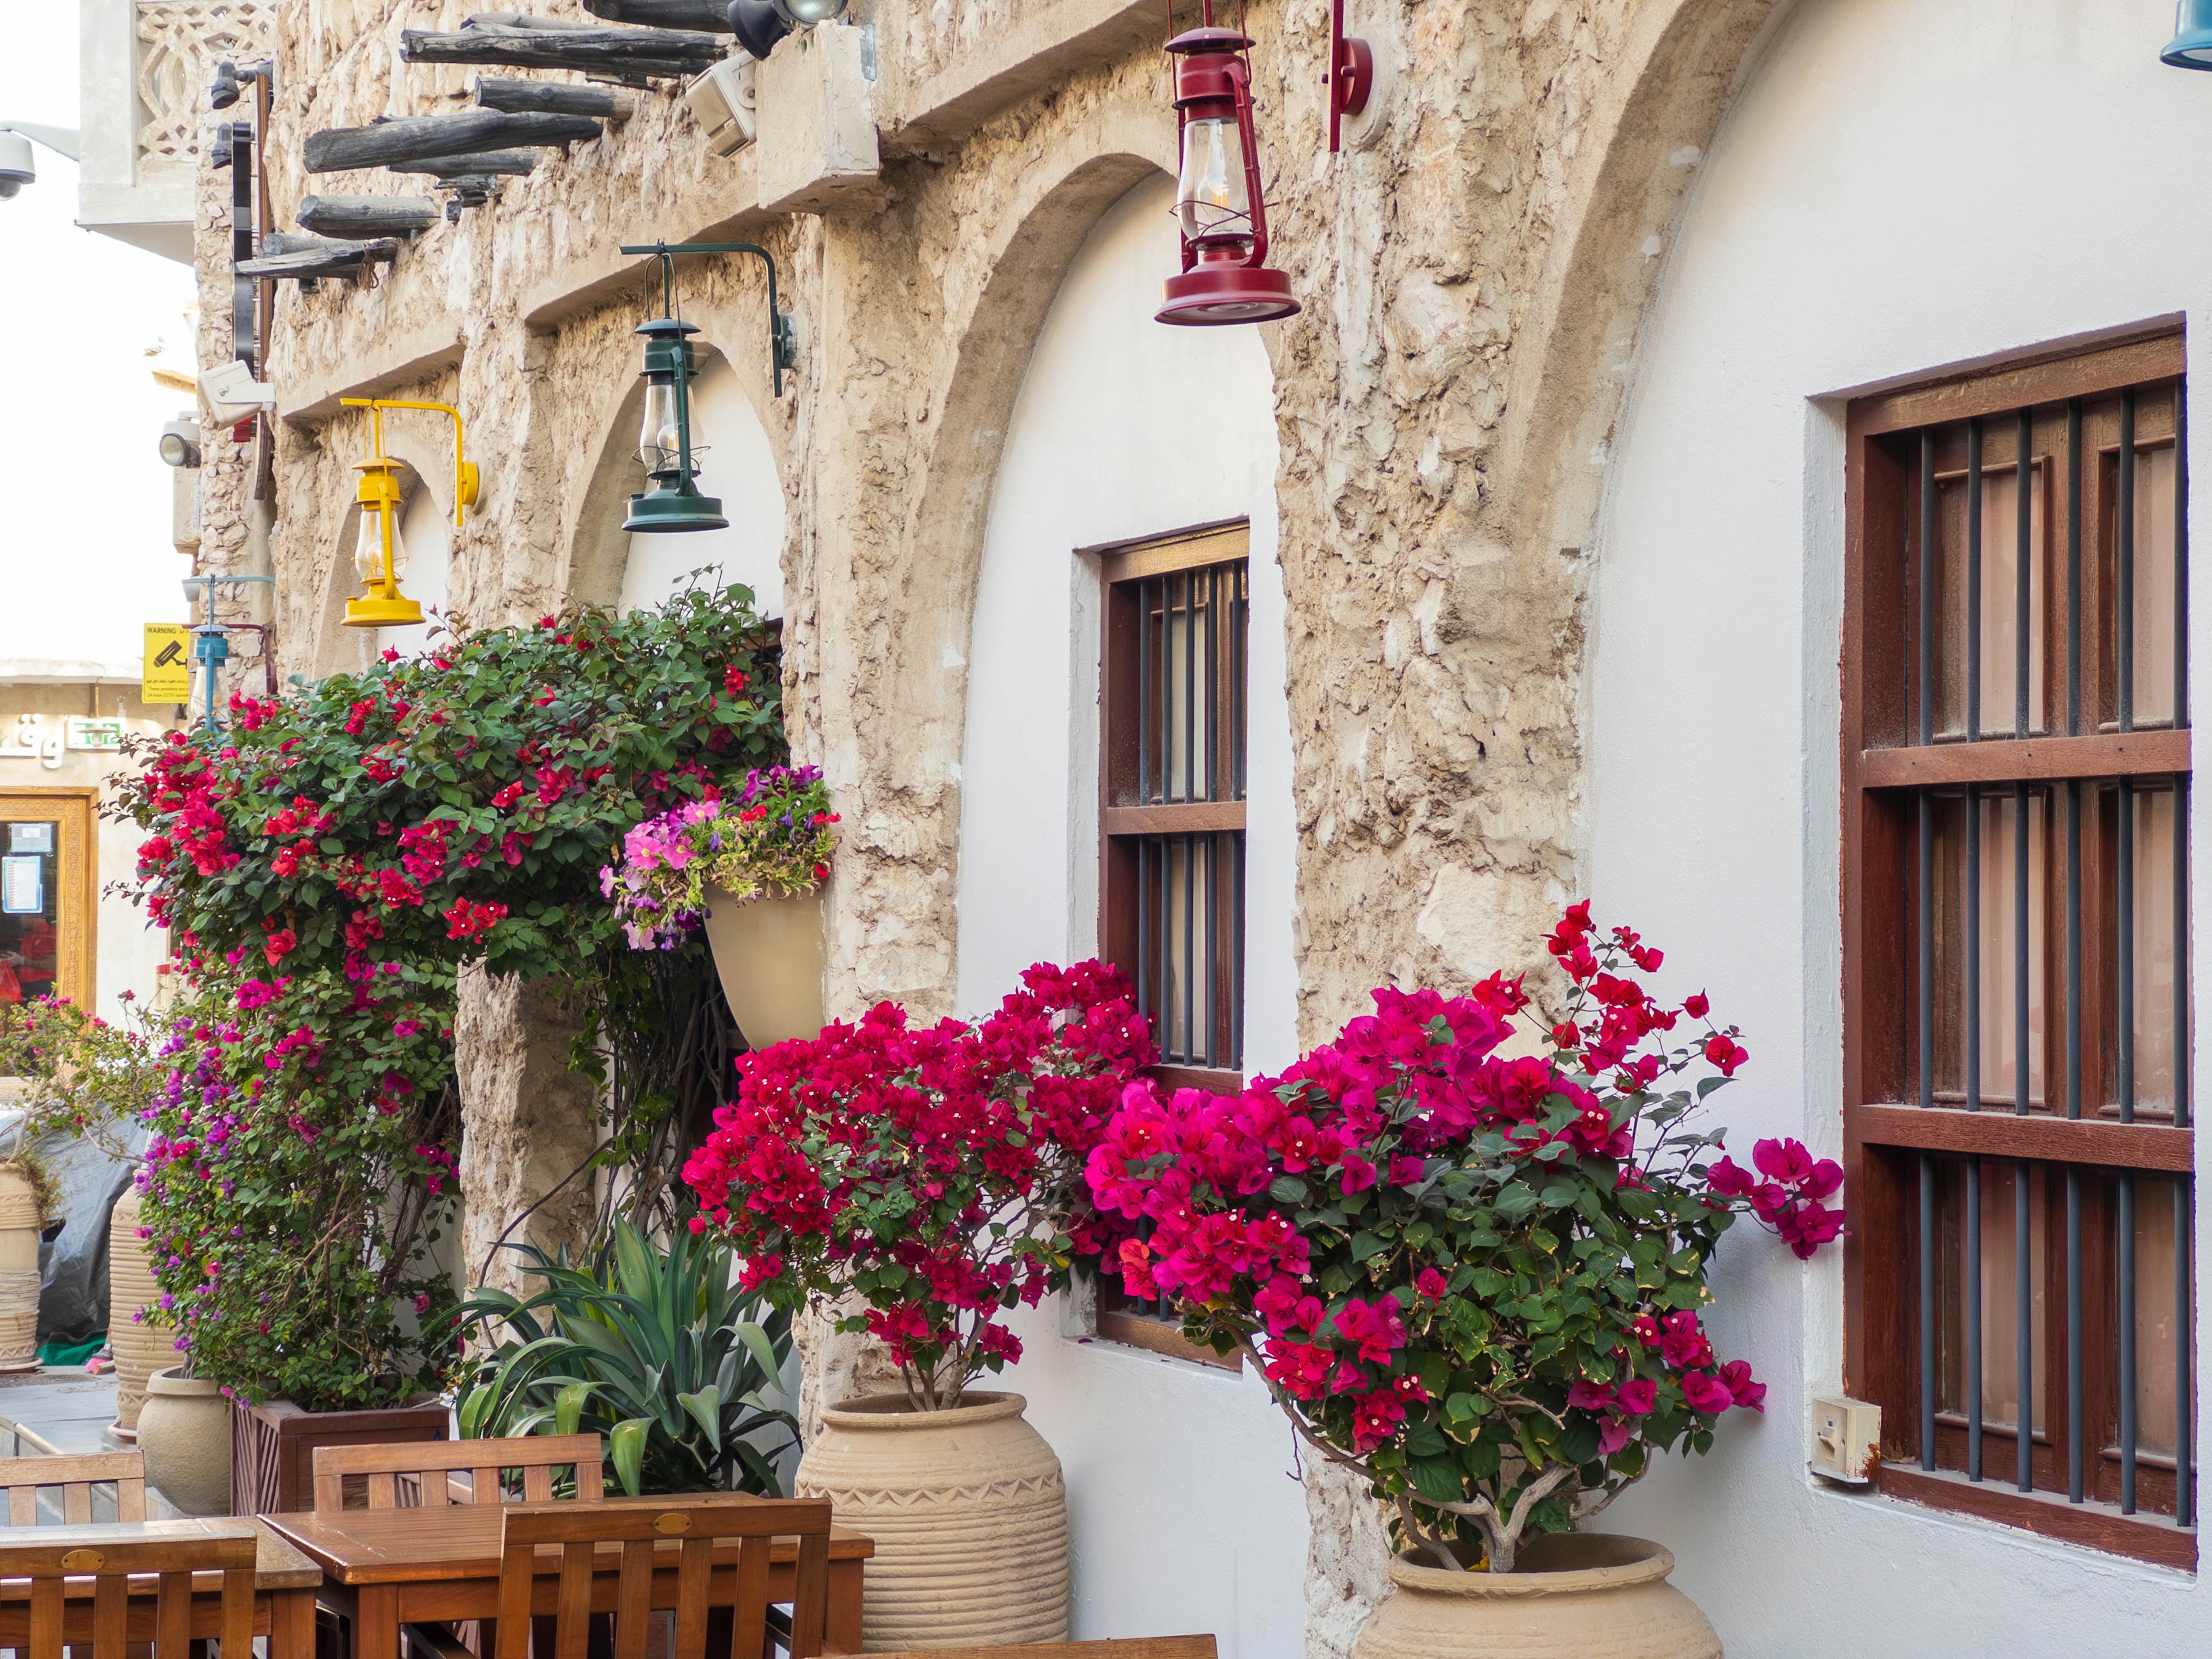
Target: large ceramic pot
[
  {"x": 19, "y": 1270},
  {"x": 968, "y": 1512},
  {"x": 141, "y": 1347},
  {"x": 769, "y": 956},
  {"x": 184, "y": 1430},
  {"x": 1576, "y": 1595}
]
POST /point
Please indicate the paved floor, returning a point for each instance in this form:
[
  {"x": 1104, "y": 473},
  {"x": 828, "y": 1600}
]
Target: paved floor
[{"x": 56, "y": 1409}]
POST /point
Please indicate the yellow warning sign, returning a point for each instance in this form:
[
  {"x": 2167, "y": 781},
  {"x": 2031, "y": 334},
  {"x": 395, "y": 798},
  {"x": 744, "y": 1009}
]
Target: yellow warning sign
[{"x": 167, "y": 677}]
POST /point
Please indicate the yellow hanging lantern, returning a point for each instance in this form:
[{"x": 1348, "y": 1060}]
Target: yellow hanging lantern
[{"x": 379, "y": 557}]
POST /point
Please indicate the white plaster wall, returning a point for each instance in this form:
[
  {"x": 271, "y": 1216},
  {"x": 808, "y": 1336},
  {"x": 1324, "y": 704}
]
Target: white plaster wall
[
  {"x": 1900, "y": 186},
  {"x": 738, "y": 468},
  {"x": 1185, "y": 1511}
]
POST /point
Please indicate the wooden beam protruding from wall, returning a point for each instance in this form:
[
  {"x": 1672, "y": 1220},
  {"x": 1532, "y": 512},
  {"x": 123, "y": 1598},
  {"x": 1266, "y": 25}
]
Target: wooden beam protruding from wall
[
  {"x": 310, "y": 256},
  {"x": 512, "y": 163},
  {"x": 547, "y": 97},
  {"x": 367, "y": 215},
  {"x": 426, "y": 137},
  {"x": 708, "y": 15},
  {"x": 593, "y": 51}
]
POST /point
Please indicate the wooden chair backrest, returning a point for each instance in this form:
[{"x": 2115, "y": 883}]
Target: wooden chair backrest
[
  {"x": 1125, "y": 1647},
  {"x": 227, "y": 1549},
  {"x": 696, "y": 1526},
  {"x": 21, "y": 1477},
  {"x": 414, "y": 1473}
]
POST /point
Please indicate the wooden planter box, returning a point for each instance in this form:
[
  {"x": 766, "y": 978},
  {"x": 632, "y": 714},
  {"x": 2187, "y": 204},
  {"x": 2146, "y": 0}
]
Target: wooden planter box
[{"x": 272, "y": 1467}]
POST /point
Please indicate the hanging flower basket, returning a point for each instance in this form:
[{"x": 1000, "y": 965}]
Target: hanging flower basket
[{"x": 748, "y": 868}]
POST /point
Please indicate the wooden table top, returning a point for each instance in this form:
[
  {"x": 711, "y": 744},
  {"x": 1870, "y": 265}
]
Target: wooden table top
[
  {"x": 461, "y": 1541},
  {"x": 278, "y": 1563}
]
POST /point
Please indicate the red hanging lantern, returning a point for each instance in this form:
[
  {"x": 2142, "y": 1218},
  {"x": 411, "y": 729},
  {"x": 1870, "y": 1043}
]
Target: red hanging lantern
[{"x": 1220, "y": 208}]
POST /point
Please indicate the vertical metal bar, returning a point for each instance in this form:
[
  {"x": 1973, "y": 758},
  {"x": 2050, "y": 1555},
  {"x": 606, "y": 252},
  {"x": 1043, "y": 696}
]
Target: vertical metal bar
[
  {"x": 1927, "y": 1311},
  {"x": 2181, "y": 553},
  {"x": 2021, "y": 1054},
  {"x": 2182, "y": 1022},
  {"x": 2074, "y": 566},
  {"x": 1189, "y": 691},
  {"x": 2074, "y": 1427},
  {"x": 1146, "y": 1006},
  {"x": 1210, "y": 843},
  {"x": 1213, "y": 687},
  {"x": 1237, "y": 952},
  {"x": 1974, "y": 578},
  {"x": 1972, "y": 933},
  {"x": 2126, "y": 1182},
  {"x": 2184, "y": 1405},
  {"x": 1143, "y": 693},
  {"x": 2023, "y": 562},
  {"x": 1190, "y": 953},
  {"x": 2123, "y": 603},
  {"x": 2124, "y": 967},
  {"x": 2073, "y": 948},
  {"x": 2024, "y": 1322},
  {"x": 1928, "y": 692},
  {"x": 1973, "y": 1318},
  {"x": 1927, "y": 931}
]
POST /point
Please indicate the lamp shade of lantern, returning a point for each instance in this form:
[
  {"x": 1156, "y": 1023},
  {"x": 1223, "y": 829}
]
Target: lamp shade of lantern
[
  {"x": 667, "y": 442},
  {"x": 380, "y": 556},
  {"x": 2191, "y": 46},
  {"x": 1219, "y": 209}
]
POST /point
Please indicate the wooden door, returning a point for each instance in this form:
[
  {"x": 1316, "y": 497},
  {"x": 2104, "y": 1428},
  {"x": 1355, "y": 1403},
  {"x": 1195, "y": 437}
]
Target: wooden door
[{"x": 49, "y": 895}]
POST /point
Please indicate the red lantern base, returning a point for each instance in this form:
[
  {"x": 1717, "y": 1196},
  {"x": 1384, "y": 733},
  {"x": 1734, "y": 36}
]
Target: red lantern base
[{"x": 1215, "y": 293}]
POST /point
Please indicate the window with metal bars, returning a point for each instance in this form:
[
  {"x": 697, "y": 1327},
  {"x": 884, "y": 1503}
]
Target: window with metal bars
[
  {"x": 1172, "y": 802},
  {"x": 2017, "y": 792}
]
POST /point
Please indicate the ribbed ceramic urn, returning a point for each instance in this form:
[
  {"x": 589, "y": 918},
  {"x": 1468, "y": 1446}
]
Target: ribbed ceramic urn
[
  {"x": 19, "y": 1270},
  {"x": 1578, "y": 1595},
  {"x": 141, "y": 1347},
  {"x": 968, "y": 1512}
]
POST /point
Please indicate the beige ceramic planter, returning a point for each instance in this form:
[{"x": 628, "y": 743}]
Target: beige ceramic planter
[
  {"x": 969, "y": 1513},
  {"x": 184, "y": 1431},
  {"x": 140, "y": 1347},
  {"x": 769, "y": 956},
  {"x": 19, "y": 1271},
  {"x": 1581, "y": 1595}
]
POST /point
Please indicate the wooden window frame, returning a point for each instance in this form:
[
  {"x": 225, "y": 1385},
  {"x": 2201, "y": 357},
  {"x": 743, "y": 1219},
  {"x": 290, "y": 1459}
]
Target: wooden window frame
[
  {"x": 76, "y": 877},
  {"x": 1883, "y": 755},
  {"x": 1196, "y": 548}
]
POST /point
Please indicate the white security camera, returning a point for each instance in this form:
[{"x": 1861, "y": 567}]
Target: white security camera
[{"x": 18, "y": 165}]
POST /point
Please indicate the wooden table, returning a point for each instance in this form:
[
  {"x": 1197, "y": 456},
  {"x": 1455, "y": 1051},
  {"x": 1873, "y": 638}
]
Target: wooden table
[
  {"x": 284, "y": 1585},
  {"x": 386, "y": 1568}
]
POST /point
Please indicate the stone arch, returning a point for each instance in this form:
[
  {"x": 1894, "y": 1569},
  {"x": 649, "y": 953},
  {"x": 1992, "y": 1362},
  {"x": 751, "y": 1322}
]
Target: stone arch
[
  {"x": 426, "y": 460},
  {"x": 902, "y": 881},
  {"x": 1676, "y": 72}
]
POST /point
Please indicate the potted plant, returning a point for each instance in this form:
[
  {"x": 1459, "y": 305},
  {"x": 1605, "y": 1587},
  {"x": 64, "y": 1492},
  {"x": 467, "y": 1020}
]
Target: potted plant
[
  {"x": 915, "y": 1184},
  {"x": 748, "y": 866},
  {"x": 652, "y": 1347},
  {"x": 1476, "y": 1281}
]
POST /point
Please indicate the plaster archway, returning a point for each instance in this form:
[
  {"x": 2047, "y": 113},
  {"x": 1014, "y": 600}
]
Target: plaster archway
[{"x": 425, "y": 493}]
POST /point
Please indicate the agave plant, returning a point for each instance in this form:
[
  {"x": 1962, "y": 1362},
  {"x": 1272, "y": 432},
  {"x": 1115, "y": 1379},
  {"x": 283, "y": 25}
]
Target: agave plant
[{"x": 653, "y": 1348}]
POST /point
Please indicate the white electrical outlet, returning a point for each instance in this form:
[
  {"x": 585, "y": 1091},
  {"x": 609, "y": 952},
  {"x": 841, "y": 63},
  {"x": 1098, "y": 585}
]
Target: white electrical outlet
[
  {"x": 1845, "y": 1441},
  {"x": 722, "y": 103}
]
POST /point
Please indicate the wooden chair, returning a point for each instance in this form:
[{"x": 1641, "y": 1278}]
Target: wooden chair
[
  {"x": 421, "y": 1472},
  {"x": 229, "y": 1551},
  {"x": 22, "y": 1477},
  {"x": 1133, "y": 1647},
  {"x": 697, "y": 1526}
]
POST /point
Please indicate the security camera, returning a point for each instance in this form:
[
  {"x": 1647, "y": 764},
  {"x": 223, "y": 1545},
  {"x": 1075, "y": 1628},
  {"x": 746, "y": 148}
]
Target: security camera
[
  {"x": 181, "y": 445},
  {"x": 18, "y": 166},
  {"x": 759, "y": 24}
]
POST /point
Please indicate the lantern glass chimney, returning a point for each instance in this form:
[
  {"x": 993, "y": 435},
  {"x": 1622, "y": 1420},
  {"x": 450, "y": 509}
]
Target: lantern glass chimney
[{"x": 1210, "y": 200}]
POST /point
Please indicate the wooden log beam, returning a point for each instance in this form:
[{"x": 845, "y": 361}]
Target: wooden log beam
[
  {"x": 706, "y": 14},
  {"x": 332, "y": 258},
  {"x": 509, "y": 162},
  {"x": 516, "y": 97},
  {"x": 615, "y": 49},
  {"x": 426, "y": 137},
  {"x": 519, "y": 20},
  {"x": 367, "y": 215},
  {"x": 381, "y": 249}
]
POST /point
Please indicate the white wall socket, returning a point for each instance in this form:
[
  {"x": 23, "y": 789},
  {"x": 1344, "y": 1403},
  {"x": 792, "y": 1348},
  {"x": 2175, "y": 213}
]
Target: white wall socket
[{"x": 1845, "y": 1439}]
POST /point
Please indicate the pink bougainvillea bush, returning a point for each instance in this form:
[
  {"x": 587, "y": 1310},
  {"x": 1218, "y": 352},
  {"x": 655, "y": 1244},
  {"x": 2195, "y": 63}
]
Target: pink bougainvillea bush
[
  {"x": 1472, "y": 1273},
  {"x": 924, "y": 1180}
]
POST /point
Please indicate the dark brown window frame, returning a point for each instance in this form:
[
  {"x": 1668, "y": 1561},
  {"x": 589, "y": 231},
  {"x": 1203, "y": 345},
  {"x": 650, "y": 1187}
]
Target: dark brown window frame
[
  {"x": 1888, "y": 760},
  {"x": 1129, "y": 816}
]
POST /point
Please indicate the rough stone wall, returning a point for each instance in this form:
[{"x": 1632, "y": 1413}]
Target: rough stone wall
[{"x": 1472, "y": 280}]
